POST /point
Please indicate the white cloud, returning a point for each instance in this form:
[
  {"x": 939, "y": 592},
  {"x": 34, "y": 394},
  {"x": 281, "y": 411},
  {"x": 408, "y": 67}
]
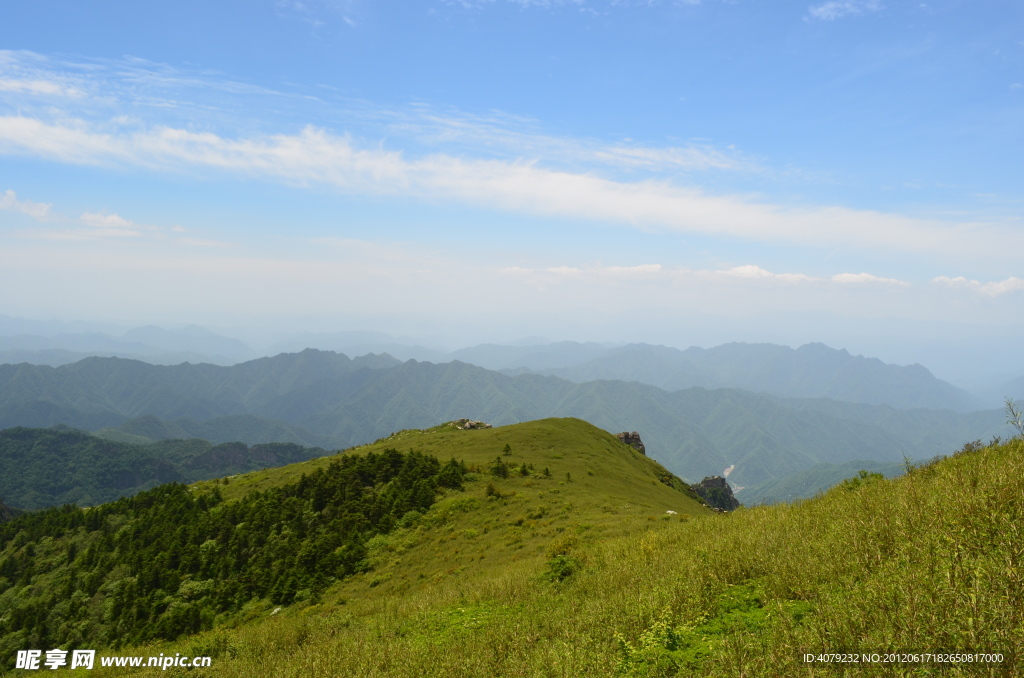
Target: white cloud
[
  {"x": 756, "y": 272},
  {"x": 36, "y": 210},
  {"x": 598, "y": 271},
  {"x": 632, "y": 271},
  {"x": 748, "y": 272},
  {"x": 564, "y": 270},
  {"x": 105, "y": 221},
  {"x": 99, "y": 225},
  {"x": 315, "y": 156},
  {"x": 859, "y": 278},
  {"x": 992, "y": 289},
  {"x": 837, "y": 9},
  {"x": 198, "y": 242},
  {"x": 39, "y": 87}
]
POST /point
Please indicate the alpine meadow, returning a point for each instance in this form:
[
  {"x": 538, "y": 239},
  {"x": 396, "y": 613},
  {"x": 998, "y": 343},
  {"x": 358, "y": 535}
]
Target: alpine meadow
[{"x": 512, "y": 338}]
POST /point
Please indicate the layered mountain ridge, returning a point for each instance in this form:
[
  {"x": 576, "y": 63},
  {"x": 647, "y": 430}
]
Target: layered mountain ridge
[{"x": 329, "y": 400}]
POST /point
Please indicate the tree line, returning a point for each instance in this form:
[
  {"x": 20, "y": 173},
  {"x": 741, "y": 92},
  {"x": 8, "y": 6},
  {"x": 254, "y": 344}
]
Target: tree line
[{"x": 168, "y": 561}]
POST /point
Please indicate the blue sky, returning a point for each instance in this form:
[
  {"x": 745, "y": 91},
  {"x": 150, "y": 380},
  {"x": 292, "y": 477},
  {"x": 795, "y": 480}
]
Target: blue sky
[{"x": 366, "y": 165}]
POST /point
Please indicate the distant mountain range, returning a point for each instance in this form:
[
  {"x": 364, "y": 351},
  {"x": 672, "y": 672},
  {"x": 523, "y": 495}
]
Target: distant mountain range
[
  {"x": 811, "y": 371},
  {"x": 321, "y": 397},
  {"x": 151, "y": 344}
]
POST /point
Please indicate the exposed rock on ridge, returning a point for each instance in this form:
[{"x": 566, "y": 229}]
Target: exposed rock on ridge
[
  {"x": 715, "y": 491},
  {"x": 463, "y": 424},
  {"x": 633, "y": 440}
]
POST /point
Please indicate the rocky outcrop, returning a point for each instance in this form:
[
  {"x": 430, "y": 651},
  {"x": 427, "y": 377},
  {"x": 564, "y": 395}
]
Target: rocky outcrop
[
  {"x": 716, "y": 493},
  {"x": 633, "y": 440},
  {"x": 463, "y": 424}
]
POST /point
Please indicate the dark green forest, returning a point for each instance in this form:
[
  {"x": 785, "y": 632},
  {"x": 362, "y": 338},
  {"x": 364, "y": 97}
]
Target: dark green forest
[
  {"x": 40, "y": 468},
  {"x": 171, "y": 561}
]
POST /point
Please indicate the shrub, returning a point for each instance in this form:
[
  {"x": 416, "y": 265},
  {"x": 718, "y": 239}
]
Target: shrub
[
  {"x": 561, "y": 567},
  {"x": 499, "y": 469}
]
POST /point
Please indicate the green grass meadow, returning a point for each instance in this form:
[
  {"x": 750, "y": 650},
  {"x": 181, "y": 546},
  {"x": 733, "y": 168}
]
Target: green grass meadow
[{"x": 584, "y": 573}]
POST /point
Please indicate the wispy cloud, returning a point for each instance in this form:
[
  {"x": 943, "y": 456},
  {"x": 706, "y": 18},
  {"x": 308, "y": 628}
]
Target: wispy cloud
[
  {"x": 95, "y": 226},
  {"x": 104, "y": 225},
  {"x": 37, "y": 210},
  {"x": 516, "y": 137},
  {"x": 837, "y": 9},
  {"x": 39, "y": 87},
  {"x": 526, "y": 4},
  {"x": 749, "y": 272},
  {"x": 126, "y": 93},
  {"x": 582, "y": 4},
  {"x": 101, "y": 220},
  {"x": 641, "y": 270},
  {"x": 992, "y": 289},
  {"x": 315, "y": 156},
  {"x": 866, "y": 278},
  {"x": 752, "y": 272},
  {"x": 124, "y": 89}
]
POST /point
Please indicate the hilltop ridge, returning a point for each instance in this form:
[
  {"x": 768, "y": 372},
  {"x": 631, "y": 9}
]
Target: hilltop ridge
[{"x": 381, "y": 519}]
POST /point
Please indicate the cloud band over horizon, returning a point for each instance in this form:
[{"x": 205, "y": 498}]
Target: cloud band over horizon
[{"x": 314, "y": 156}]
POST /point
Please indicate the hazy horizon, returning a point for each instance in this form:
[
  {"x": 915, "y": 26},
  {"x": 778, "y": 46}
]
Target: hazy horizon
[{"x": 977, "y": 366}]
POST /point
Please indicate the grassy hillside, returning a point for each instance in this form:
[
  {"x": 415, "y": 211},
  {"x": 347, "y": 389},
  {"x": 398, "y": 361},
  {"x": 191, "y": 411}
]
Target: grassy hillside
[
  {"x": 597, "y": 463},
  {"x": 926, "y": 562},
  {"x": 164, "y": 562}
]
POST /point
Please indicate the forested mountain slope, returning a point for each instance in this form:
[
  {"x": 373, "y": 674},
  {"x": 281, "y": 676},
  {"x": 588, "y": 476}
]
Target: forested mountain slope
[
  {"x": 107, "y": 391},
  {"x": 50, "y": 467}
]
